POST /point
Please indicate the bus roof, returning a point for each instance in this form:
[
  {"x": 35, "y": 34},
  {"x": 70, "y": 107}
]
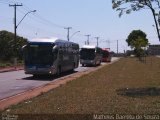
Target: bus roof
[
  {"x": 89, "y": 46},
  {"x": 106, "y": 49},
  {"x": 49, "y": 40}
]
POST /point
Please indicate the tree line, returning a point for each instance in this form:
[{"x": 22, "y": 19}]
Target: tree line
[{"x": 9, "y": 48}]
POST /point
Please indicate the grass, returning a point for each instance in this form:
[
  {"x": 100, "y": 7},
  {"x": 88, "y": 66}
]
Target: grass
[
  {"x": 4, "y": 64},
  {"x": 98, "y": 92}
]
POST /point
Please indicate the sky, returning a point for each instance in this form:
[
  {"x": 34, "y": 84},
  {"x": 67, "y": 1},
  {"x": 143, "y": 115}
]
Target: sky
[{"x": 90, "y": 17}]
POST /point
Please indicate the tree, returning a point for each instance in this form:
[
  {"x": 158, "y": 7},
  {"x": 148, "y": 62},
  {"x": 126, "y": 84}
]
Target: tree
[
  {"x": 7, "y": 50},
  {"x": 127, "y": 6},
  {"x": 137, "y": 40}
]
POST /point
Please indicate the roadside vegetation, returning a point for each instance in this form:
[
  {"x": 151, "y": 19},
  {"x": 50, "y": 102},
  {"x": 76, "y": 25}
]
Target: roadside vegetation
[
  {"x": 125, "y": 87},
  {"x": 137, "y": 40},
  {"x": 5, "y": 64},
  {"x": 8, "y": 48}
]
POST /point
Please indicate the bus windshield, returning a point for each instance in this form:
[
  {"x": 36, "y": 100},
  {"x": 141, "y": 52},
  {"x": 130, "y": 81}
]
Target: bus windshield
[
  {"x": 39, "y": 54},
  {"x": 87, "y": 54}
]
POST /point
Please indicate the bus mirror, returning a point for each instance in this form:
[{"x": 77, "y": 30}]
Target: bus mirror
[
  {"x": 22, "y": 50},
  {"x": 80, "y": 52},
  {"x": 55, "y": 49},
  {"x": 23, "y": 47}
]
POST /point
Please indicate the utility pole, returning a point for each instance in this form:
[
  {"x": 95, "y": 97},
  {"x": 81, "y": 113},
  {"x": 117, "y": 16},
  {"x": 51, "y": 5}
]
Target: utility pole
[
  {"x": 68, "y": 28},
  {"x": 117, "y": 47},
  {"x": 88, "y": 39},
  {"x": 97, "y": 40},
  {"x": 108, "y": 43},
  {"x": 15, "y": 32}
]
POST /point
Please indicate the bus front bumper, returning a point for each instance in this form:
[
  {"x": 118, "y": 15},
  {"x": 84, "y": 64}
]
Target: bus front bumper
[
  {"x": 40, "y": 71},
  {"x": 89, "y": 62}
]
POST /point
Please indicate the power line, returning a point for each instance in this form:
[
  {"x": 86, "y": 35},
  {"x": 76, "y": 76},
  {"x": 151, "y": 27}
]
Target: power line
[
  {"x": 44, "y": 19},
  {"x": 47, "y": 22},
  {"x": 6, "y": 2},
  {"x": 39, "y": 21},
  {"x": 3, "y": 2}
]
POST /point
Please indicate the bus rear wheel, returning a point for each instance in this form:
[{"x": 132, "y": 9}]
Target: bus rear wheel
[
  {"x": 99, "y": 62},
  {"x": 74, "y": 66}
]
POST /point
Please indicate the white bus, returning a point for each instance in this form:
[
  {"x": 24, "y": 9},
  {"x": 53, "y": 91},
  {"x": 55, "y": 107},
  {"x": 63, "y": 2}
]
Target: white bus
[
  {"x": 90, "y": 55},
  {"x": 50, "y": 56}
]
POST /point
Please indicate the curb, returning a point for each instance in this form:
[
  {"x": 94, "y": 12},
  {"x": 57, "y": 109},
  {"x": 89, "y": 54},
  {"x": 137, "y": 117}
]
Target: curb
[{"x": 2, "y": 70}]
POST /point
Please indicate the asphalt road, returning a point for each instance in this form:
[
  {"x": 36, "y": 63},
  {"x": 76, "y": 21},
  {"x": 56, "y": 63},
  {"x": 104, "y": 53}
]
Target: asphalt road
[{"x": 15, "y": 82}]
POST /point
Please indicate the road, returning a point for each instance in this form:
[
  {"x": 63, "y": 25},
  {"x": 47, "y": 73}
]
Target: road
[{"x": 15, "y": 82}]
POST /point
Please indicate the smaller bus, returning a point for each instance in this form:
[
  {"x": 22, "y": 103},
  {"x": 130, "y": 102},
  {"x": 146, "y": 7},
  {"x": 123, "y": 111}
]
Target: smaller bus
[
  {"x": 106, "y": 55},
  {"x": 90, "y": 55}
]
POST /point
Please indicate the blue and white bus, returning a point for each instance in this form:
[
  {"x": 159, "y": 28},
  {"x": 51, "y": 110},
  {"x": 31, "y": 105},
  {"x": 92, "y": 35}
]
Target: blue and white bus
[
  {"x": 90, "y": 55},
  {"x": 50, "y": 56}
]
